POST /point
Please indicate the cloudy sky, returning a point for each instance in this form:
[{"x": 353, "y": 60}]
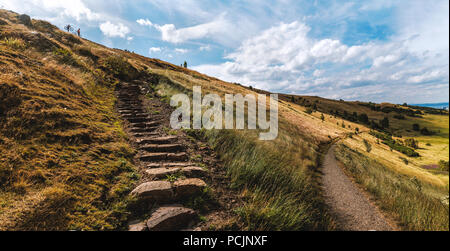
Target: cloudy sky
[{"x": 384, "y": 50}]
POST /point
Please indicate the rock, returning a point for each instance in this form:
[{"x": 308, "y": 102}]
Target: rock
[
  {"x": 188, "y": 187},
  {"x": 158, "y": 173},
  {"x": 155, "y": 190},
  {"x": 137, "y": 227},
  {"x": 25, "y": 19},
  {"x": 194, "y": 172},
  {"x": 171, "y": 218}
]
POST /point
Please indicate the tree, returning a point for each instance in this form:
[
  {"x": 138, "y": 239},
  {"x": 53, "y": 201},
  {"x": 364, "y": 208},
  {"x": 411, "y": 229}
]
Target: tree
[
  {"x": 322, "y": 117},
  {"x": 363, "y": 118},
  {"x": 385, "y": 122},
  {"x": 185, "y": 64}
]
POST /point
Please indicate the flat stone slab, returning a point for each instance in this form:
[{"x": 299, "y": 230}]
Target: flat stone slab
[
  {"x": 188, "y": 187},
  {"x": 159, "y": 173},
  {"x": 158, "y": 140},
  {"x": 174, "y": 164},
  {"x": 137, "y": 227},
  {"x": 171, "y": 219},
  {"x": 162, "y": 147},
  {"x": 155, "y": 190}
]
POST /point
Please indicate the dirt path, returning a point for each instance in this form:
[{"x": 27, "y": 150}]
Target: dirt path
[{"x": 351, "y": 208}]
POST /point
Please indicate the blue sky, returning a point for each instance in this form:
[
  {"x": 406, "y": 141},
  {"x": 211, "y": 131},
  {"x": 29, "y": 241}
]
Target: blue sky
[{"x": 382, "y": 51}]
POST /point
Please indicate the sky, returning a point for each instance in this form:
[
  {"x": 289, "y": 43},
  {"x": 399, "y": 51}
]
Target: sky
[{"x": 381, "y": 51}]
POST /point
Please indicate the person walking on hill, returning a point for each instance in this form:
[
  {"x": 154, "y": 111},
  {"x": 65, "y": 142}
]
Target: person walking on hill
[{"x": 79, "y": 32}]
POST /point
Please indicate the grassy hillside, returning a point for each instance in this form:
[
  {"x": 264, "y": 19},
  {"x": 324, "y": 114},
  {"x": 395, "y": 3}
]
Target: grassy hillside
[
  {"x": 65, "y": 162},
  {"x": 64, "y": 159}
]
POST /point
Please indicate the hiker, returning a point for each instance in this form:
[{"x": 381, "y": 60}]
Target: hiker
[
  {"x": 68, "y": 27},
  {"x": 79, "y": 32}
]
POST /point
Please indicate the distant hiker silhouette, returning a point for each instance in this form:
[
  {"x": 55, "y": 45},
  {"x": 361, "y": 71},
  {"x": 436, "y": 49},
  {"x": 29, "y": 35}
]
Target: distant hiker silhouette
[
  {"x": 79, "y": 32},
  {"x": 68, "y": 28}
]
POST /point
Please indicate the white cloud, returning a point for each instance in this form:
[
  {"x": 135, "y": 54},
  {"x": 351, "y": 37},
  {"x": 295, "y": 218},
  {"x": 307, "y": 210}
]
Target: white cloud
[
  {"x": 154, "y": 50},
  {"x": 205, "y": 48},
  {"x": 181, "y": 51},
  {"x": 145, "y": 22},
  {"x": 75, "y": 9},
  {"x": 169, "y": 33},
  {"x": 114, "y": 30}
]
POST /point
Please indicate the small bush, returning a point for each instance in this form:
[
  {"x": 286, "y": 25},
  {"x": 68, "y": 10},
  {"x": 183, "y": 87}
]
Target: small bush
[
  {"x": 368, "y": 146},
  {"x": 14, "y": 43},
  {"x": 64, "y": 56},
  {"x": 120, "y": 68},
  {"x": 405, "y": 160},
  {"x": 309, "y": 111},
  {"x": 412, "y": 143},
  {"x": 444, "y": 165}
]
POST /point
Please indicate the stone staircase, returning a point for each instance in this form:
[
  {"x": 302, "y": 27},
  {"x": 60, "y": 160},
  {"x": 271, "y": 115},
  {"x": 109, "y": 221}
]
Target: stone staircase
[{"x": 159, "y": 156}]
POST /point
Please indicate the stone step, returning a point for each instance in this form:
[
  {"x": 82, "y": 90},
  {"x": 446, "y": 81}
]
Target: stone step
[
  {"x": 159, "y": 140},
  {"x": 143, "y": 130},
  {"x": 139, "y": 120},
  {"x": 161, "y": 173},
  {"x": 150, "y": 157},
  {"x": 137, "y": 226},
  {"x": 189, "y": 172},
  {"x": 162, "y": 148},
  {"x": 171, "y": 218},
  {"x": 144, "y": 135},
  {"x": 133, "y": 111},
  {"x": 144, "y": 125},
  {"x": 188, "y": 187},
  {"x": 168, "y": 165},
  {"x": 135, "y": 115},
  {"x": 164, "y": 191},
  {"x": 129, "y": 107},
  {"x": 155, "y": 191}
]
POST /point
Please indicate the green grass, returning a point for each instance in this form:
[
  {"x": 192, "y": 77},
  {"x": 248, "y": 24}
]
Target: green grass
[{"x": 416, "y": 205}]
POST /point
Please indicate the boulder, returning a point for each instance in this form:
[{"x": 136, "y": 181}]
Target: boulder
[
  {"x": 25, "y": 19},
  {"x": 171, "y": 218}
]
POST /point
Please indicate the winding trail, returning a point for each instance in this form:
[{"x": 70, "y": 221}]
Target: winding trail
[{"x": 350, "y": 207}]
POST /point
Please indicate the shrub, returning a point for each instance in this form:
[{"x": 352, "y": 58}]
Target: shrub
[
  {"x": 426, "y": 132},
  {"x": 120, "y": 68},
  {"x": 443, "y": 165},
  {"x": 405, "y": 160},
  {"x": 399, "y": 117},
  {"x": 309, "y": 111},
  {"x": 412, "y": 143},
  {"x": 368, "y": 146},
  {"x": 65, "y": 56},
  {"x": 416, "y": 127},
  {"x": 14, "y": 43}
]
